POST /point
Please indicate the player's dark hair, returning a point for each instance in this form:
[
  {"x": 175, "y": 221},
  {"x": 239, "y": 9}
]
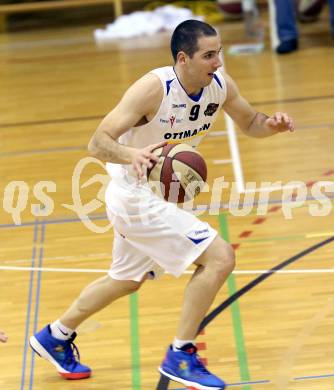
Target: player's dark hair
[{"x": 186, "y": 35}]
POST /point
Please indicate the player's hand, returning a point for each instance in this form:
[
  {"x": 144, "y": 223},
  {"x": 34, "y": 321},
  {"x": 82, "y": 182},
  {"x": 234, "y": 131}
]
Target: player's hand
[
  {"x": 144, "y": 158},
  {"x": 3, "y": 337},
  {"x": 280, "y": 122}
]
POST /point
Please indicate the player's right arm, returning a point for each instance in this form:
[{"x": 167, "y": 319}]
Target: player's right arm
[{"x": 138, "y": 105}]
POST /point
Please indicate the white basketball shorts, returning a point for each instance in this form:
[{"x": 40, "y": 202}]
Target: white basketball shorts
[{"x": 152, "y": 236}]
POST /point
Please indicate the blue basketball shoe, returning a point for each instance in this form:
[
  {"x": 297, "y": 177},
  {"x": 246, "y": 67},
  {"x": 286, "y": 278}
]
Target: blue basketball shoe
[
  {"x": 184, "y": 366},
  {"x": 63, "y": 354}
]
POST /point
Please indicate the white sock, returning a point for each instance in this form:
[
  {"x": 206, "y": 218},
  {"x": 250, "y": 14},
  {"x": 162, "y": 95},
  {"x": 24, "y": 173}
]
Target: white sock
[
  {"x": 178, "y": 344},
  {"x": 60, "y": 331}
]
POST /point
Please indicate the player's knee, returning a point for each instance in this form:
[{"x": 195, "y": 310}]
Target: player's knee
[
  {"x": 127, "y": 287},
  {"x": 229, "y": 257},
  {"x": 218, "y": 259},
  {"x": 133, "y": 287},
  {"x": 225, "y": 259}
]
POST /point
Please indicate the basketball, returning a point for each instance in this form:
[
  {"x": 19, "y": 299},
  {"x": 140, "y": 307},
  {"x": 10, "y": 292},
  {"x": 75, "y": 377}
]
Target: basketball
[
  {"x": 231, "y": 8},
  {"x": 309, "y": 10},
  {"x": 179, "y": 175}
]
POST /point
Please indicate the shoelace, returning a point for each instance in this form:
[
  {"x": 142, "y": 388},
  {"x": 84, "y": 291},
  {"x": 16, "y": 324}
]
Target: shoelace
[
  {"x": 199, "y": 365},
  {"x": 197, "y": 360},
  {"x": 72, "y": 354}
]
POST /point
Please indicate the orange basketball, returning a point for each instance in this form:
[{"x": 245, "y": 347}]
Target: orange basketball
[{"x": 179, "y": 175}]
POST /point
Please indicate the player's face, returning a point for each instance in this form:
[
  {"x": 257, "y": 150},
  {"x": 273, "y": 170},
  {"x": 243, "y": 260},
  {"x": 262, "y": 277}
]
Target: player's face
[{"x": 205, "y": 61}]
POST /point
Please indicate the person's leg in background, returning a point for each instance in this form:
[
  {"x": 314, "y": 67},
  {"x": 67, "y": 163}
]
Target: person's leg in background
[
  {"x": 286, "y": 26},
  {"x": 331, "y": 7}
]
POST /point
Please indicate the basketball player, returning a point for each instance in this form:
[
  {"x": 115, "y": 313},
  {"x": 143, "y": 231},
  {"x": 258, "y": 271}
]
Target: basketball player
[{"x": 176, "y": 104}]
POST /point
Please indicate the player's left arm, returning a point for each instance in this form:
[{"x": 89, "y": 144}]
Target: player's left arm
[
  {"x": 3, "y": 336},
  {"x": 250, "y": 121}
]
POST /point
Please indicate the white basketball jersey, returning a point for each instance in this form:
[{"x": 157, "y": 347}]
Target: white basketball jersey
[{"x": 180, "y": 117}]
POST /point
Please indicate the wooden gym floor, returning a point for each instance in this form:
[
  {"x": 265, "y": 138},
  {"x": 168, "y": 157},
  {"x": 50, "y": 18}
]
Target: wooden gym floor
[{"x": 56, "y": 87}]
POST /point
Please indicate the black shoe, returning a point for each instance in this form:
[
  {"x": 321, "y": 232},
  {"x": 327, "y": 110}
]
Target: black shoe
[{"x": 287, "y": 46}]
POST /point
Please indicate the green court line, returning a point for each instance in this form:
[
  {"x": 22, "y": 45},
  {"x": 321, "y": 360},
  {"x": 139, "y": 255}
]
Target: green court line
[
  {"x": 135, "y": 352},
  {"x": 236, "y": 317}
]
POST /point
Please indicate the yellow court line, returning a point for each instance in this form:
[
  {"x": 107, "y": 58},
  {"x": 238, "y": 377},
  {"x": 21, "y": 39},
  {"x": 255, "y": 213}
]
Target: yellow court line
[{"x": 323, "y": 234}]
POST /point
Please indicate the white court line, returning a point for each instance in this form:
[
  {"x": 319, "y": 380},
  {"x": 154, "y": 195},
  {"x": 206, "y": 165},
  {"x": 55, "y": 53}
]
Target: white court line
[
  {"x": 234, "y": 148},
  {"x": 217, "y": 133},
  {"x": 236, "y": 162},
  {"x": 240, "y": 272},
  {"x": 217, "y": 162},
  {"x": 289, "y": 271}
]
